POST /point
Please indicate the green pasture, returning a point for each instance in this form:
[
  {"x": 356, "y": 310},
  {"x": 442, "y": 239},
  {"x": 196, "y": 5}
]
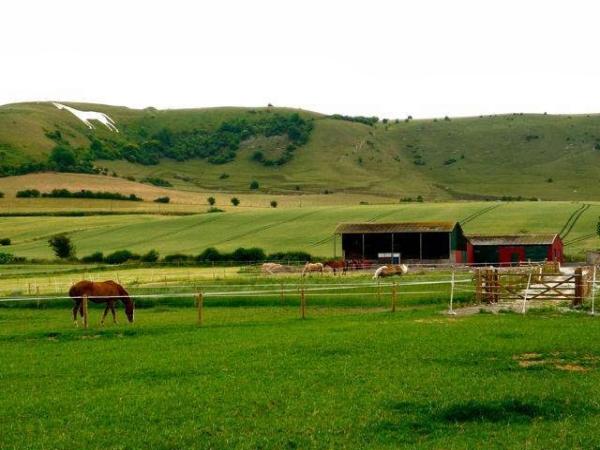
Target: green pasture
[
  {"x": 307, "y": 228},
  {"x": 351, "y": 375}
]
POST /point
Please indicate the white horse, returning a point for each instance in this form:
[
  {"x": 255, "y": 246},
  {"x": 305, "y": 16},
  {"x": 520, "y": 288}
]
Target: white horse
[
  {"x": 312, "y": 267},
  {"x": 386, "y": 271},
  {"x": 86, "y": 116}
]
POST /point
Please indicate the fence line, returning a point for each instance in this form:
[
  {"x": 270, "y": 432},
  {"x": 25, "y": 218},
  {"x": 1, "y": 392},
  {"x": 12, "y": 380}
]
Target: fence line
[{"x": 310, "y": 288}]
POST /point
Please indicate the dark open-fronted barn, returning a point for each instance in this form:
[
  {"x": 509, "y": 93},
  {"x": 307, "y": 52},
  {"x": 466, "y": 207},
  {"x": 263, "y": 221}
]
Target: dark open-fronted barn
[
  {"x": 436, "y": 242},
  {"x": 514, "y": 248}
]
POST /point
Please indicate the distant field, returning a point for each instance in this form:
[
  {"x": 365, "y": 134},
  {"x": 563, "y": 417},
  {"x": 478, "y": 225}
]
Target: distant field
[
  {"x": 192, "y": 199},
  {"x": 291, "y": 228}
]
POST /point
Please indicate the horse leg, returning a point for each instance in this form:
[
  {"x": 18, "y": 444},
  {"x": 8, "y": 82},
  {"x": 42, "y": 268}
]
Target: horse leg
[
  {"x": 75, "y": 308},
  {"x": 114, "y": 313},
  {"x": 104, "y": 315}
]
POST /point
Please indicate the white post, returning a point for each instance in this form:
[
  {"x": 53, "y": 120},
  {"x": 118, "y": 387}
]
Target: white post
[
  {"x": 451, "y": 310},
  {"x": 593, "y": 311},
  {"x": 526, "y": 293}
]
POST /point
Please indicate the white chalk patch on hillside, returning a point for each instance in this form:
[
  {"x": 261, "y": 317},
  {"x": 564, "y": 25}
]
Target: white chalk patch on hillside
[{"x": 87, "y": 116}]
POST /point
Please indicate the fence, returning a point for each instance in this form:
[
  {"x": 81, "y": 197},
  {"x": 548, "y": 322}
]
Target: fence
[
  {"x": 542, "y": 283},
  {"x": 309, "y": 298}
]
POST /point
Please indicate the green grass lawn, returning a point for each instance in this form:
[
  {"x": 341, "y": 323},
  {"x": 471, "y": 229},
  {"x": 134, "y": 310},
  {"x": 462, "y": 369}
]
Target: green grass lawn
[
  {"x": 292, "y": 228},
  {"x": 259, "y": 377}
]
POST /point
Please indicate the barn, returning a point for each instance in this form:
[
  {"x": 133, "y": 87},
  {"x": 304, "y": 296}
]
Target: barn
[
  {"x": 423, "y": 242},
  {"x": 514, "y": 248}
]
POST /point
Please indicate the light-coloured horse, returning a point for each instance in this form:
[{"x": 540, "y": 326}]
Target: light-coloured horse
[
  {"x": 312, "y": 267},
  {"x": 388, "y": 271},
  {"x": 86, "y": 116}
]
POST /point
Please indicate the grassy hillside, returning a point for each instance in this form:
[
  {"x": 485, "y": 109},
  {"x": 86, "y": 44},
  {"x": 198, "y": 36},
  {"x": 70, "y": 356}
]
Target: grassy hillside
[
  {"x": 292, "y": 228},
  {"x": 543, "y": 156}
]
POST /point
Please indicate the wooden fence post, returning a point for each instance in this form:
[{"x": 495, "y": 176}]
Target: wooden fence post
[
  {"x": 394, "y": 294},
  {"x": 200, "y": 307},
  {"x": 578, "y": 299},
  {"x": 478, "y": 285},
  {"x": 85, "y": 311},
  {"x": 302, "y": 303}
]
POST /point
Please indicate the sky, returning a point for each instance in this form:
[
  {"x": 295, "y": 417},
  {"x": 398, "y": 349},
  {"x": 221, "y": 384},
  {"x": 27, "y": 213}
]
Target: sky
[{"x": 390, "y": 59}]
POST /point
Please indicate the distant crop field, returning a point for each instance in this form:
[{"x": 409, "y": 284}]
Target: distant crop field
[{"x": 307, "y": 228}]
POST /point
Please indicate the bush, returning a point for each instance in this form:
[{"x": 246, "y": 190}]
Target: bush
[
  {"x": 62, "y": 246},
  {"x": 212, "y": 209},
  {"x": 273, "y": 203},
  {"x": 28, "y": 193},
  {"x": 1, "y": 194},
  {"x": 150, "y": 257},
  {"x": 162, "y": 200},
  {"x": 235, "y": 201},
  {"x": 176, "y": 258},
  {"x": 96, "y": 257},
  {"x": 254, "y": 184},
  {"x": 63, "y": 158},
  {"x": 156, "y": 181},
  {"x": 5, "y": 241},
  {"x": 290, "y": 256},
  {"x": 211, "y": 254},
  {"x": 253, "y": 254},
  {"x": 6, "y": 258},
  {"x": 121, "y": 256},
  {"x": 84, "y": 193},
  {"x": 211, "y": 201}
]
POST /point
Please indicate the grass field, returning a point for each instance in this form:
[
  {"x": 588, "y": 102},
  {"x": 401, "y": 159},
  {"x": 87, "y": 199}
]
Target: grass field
[
  {"x": 293, "y": 228},
  {"x": 256, "y": 376}
]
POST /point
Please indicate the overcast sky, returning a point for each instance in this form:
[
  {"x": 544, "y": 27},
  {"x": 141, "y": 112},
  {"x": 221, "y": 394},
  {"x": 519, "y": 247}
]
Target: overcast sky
[{"x": 386, "y": 58}]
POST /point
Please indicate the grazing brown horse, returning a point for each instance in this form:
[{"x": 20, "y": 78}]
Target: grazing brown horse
[
  {"x": 337, "y": 264},
  {"x": 107, "y": 292},
  {"x": 312, "y": 267}
]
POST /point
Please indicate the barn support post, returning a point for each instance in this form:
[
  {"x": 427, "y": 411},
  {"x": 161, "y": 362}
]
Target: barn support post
[
  {"x": 421, "y": 247},
  {"x": 451, "y": 310},
  {"x": 363, "y": 246}
]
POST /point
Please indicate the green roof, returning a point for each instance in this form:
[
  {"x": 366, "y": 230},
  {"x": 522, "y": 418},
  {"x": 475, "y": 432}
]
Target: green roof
[{"x": 395, "y": 227}]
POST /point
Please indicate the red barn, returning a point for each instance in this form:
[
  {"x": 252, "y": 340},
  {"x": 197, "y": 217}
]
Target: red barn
[{"x": 514, "y": 248}]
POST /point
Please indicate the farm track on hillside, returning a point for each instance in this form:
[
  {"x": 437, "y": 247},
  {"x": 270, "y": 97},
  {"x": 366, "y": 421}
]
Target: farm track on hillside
[
  {"x": 572, "y": 220},
  {"x": 479, "y": 213},
  {"x": 585, "y": 237}
]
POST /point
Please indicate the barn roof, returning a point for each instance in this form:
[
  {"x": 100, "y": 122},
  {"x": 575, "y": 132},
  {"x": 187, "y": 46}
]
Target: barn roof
[
  {"x": 395, "y": 227},
  {"x": 516, "y": 239}
]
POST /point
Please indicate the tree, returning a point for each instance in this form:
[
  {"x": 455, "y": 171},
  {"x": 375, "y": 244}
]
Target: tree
[
  {"x": 63, "y": 157},
  {"x": 254, "y": 185},
  {"x": 211, "y": 201},
  {"x": 151, "y": 256},
  {"x": 273, "y": 203},
  {"x": 62, "y": 246},
  {"x": 235, "y": 201}
]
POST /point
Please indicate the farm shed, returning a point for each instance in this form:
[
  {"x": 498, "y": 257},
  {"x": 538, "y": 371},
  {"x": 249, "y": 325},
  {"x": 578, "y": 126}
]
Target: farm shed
[
  {"x": 514, "y": 248},
  {"x": 435, "y": 242}
]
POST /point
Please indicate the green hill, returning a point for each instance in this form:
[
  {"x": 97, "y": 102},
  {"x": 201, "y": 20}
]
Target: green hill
[{"x": 287, "y": 150}]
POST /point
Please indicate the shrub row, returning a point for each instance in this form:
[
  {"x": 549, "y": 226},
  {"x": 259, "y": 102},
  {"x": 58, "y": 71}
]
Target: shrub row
[
  {"x": 84, "y": 193},
  {"x": 210, "y": 255}
]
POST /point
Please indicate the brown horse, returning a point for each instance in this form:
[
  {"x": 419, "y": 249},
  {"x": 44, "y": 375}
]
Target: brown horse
[
  {"x": 107, "y": 292},
  {"x": 337, "y": 264}
]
